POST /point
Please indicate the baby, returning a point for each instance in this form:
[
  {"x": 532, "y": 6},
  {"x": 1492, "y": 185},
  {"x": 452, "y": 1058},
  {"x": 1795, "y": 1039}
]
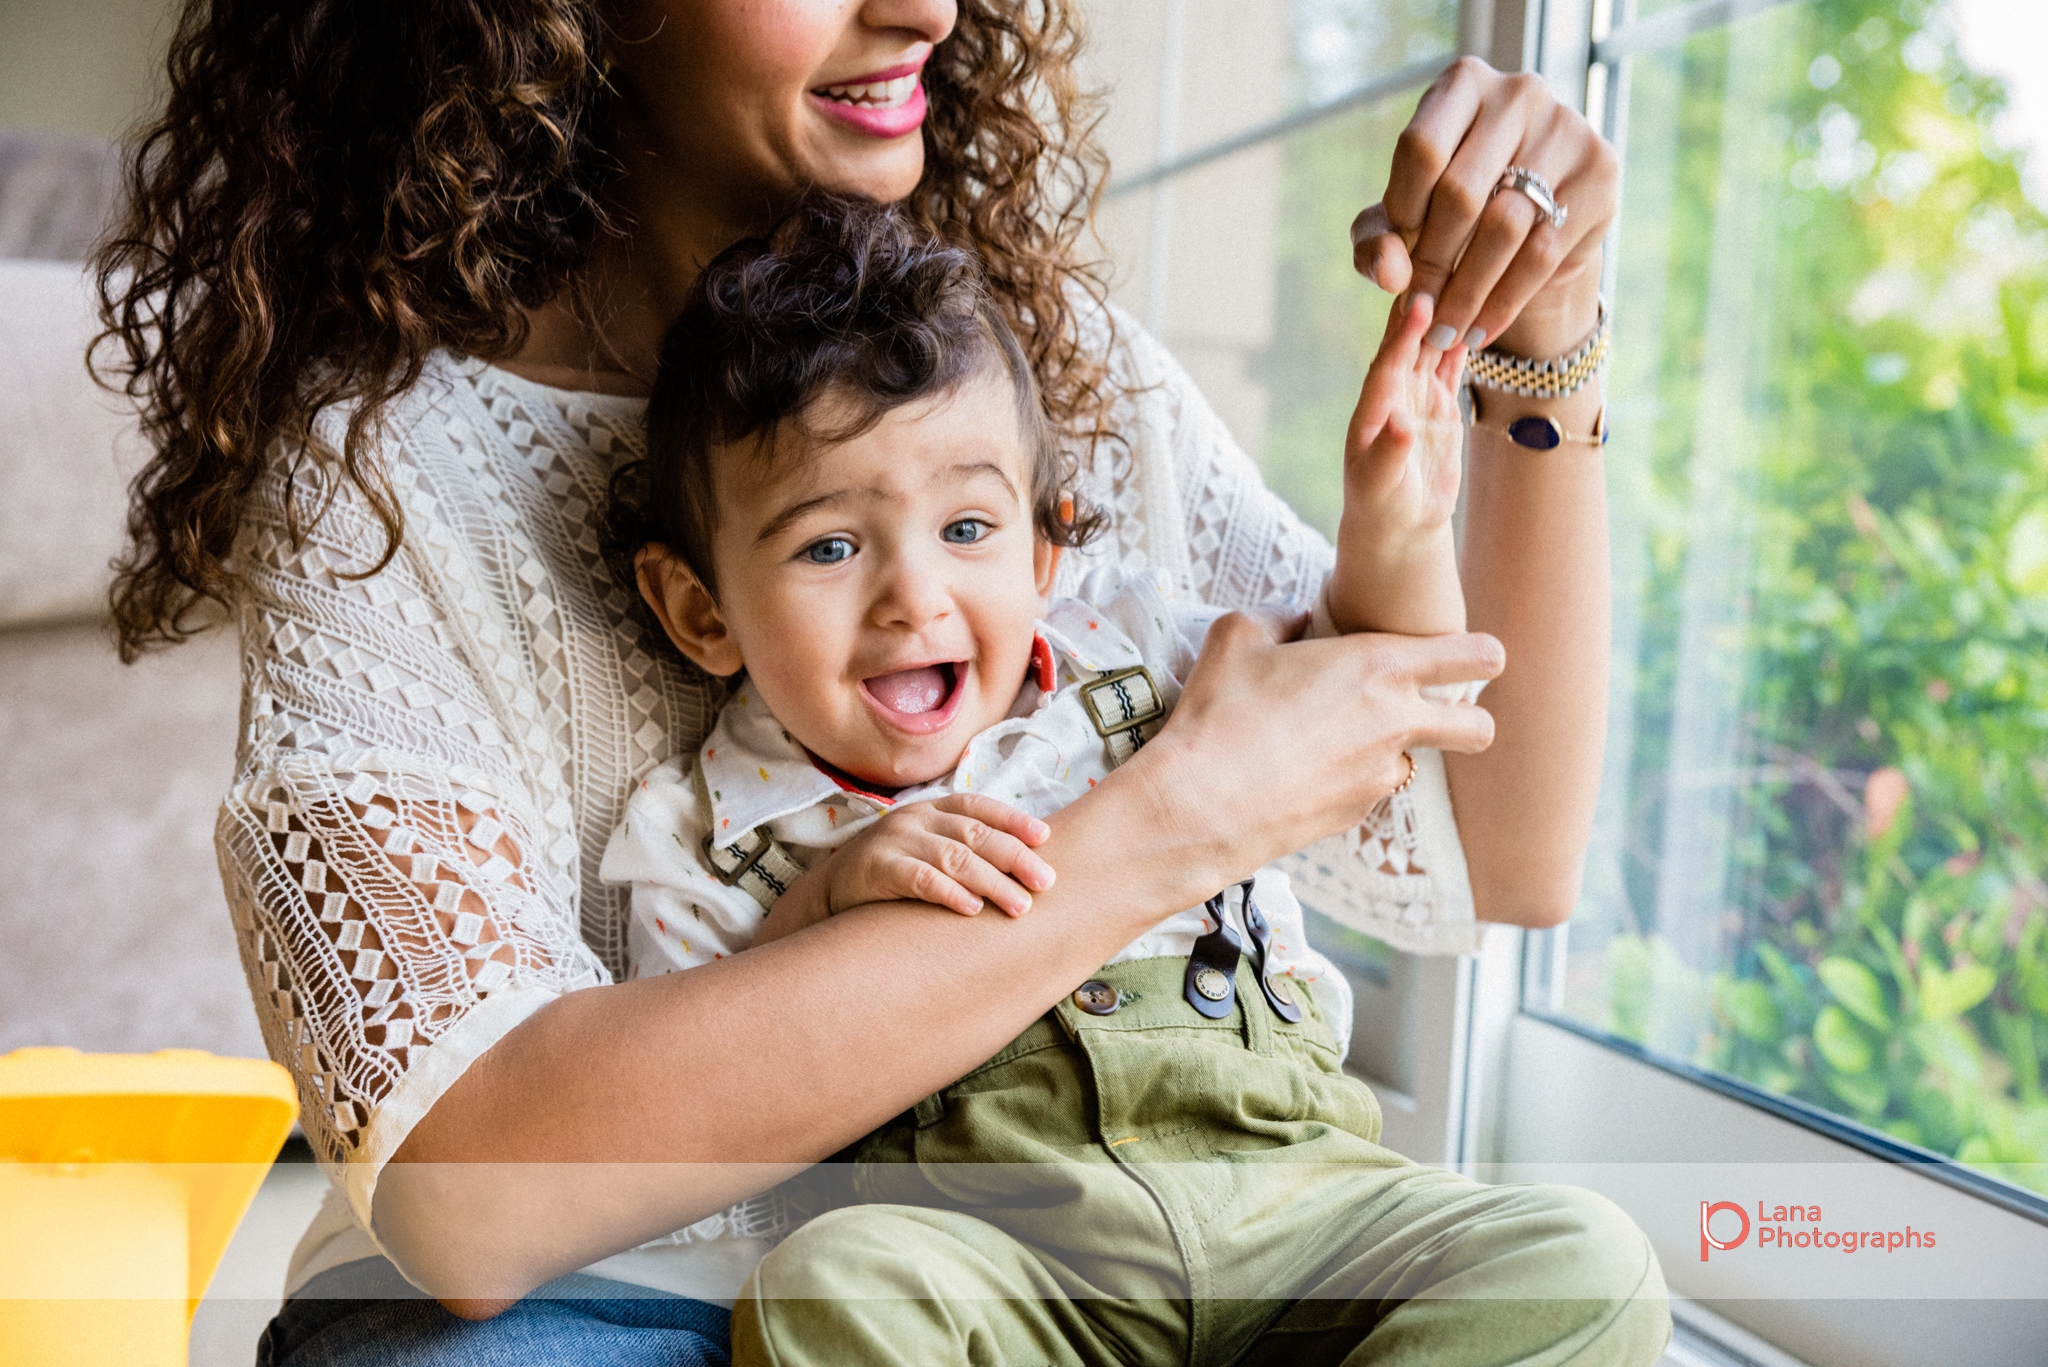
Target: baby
[{"x": 855, "y": 506}]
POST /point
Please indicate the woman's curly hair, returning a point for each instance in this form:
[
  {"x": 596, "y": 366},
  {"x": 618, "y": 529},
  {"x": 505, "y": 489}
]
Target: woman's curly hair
[{"x": 337, "y": 188}]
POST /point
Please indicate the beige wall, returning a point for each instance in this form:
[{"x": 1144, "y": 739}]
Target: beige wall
[{"x": 80, "y": 66}]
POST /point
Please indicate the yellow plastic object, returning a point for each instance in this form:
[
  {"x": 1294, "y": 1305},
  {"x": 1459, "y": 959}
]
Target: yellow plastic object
[{"x": 122, "y": 1178}]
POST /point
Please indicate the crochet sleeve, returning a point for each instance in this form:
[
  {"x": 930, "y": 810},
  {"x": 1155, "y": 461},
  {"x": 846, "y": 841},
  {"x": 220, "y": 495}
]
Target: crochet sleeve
[
  {"x": 1401, "y": 876},
  {"x": 401, "y": 884}
]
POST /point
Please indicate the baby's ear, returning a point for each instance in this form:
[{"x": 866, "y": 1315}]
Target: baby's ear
[
  {"x": 686, "y": 610},
  {"x": 1045, "y": 564}
]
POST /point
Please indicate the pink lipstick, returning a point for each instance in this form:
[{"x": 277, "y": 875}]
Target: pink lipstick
[{"x": 881, "y": 104}]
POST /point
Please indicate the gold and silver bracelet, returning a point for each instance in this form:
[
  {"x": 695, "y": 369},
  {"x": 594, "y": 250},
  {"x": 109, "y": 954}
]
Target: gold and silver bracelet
[{"x": 1551, "y": 379}]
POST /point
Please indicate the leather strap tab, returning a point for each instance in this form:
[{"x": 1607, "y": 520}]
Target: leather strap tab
[
  {"x": 1279, "y": 995},
  {"x": 1210, "y": 984}
]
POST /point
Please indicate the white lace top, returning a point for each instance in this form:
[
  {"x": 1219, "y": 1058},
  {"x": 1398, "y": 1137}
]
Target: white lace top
[{"x": 433, "y": 756}]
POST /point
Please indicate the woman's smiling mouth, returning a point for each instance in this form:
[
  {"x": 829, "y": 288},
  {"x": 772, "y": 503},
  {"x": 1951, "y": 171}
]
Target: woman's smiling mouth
[
  {"x": 918, "y": 700},
  {"x": 881, "y": 104}
]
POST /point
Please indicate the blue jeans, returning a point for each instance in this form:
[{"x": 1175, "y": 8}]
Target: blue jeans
[{"x": 363, "y": 1314}]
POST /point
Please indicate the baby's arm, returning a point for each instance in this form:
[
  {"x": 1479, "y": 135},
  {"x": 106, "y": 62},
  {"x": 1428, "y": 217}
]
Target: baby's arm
[
  {"x": 955, "y": 852},
  {"x": 1397, "y": 566}
]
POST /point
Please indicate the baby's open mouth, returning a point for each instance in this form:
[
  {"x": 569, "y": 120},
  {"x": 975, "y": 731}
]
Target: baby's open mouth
[
  {"x": 873, "y": 94},
  {"x": 914, "y": 692}
]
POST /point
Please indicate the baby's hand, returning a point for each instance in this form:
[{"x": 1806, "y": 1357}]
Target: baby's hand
[
  {"x": 1401, "y": 457},
  {"x": 953, "y": 852}
]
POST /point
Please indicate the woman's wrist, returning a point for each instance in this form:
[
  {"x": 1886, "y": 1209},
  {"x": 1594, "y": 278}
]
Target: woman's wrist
[
  {"x": 1183, "y": 858},
  {"x": 1555, "y": 321}
]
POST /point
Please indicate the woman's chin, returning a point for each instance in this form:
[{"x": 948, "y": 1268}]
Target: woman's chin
[{"x": 886, "y": 174}]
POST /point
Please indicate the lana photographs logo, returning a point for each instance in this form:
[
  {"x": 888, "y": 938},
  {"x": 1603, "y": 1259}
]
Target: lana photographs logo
[{"x": 1796, "y": 1228}]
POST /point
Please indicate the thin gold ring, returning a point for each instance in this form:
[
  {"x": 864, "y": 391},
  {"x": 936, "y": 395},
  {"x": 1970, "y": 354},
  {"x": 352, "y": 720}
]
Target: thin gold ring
[{"x": 1402, "y": 787}]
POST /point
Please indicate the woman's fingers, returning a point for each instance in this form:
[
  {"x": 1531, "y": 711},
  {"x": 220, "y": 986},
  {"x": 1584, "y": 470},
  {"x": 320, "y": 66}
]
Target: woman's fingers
[
  {"x": 1483, "y": 257},
  {"x": 1458, "y": 658},
  {"x": 1442, "y": 118},
  {"x": 1549, "y": 255},
  {"x": 1461, "y": 198},
  {"x": 1377, "y": 251},
  {"x": 1461, "y": 728},
  {"x": 1505, "y": 225}
]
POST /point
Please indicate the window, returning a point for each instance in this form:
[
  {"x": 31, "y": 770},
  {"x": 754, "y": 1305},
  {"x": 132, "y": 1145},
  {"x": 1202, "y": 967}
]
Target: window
[
  {"x": 1819, "y": 867},
  {"x": 1227, "y": 218},
  {"x": 1815, "y": 925}
]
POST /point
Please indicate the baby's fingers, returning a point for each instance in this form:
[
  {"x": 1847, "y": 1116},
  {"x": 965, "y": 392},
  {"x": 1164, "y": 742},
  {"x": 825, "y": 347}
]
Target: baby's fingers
[
  {"x": 998, "y": 849},
  {"x": 953, "y": 864},
  {"x": 996, "y": 815},
  {"x": 1387, "y": 381},
  {"x": 922, "y": 881}
]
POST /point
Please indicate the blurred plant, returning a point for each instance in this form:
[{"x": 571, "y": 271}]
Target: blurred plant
[{"x": 1886, "y": 955}]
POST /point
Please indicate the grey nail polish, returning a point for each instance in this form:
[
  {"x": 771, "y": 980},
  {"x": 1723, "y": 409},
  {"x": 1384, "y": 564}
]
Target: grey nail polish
[
  {"x": 1475, "y": 339},
  {"x": 1440, "y": 337}
]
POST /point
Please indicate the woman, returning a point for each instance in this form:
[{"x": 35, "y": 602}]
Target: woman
[{"x": 392, "y": 279}]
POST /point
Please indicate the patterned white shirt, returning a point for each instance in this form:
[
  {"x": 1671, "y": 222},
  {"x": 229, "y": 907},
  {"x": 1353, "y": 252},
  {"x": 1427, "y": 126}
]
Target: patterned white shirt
[{"x": 751, "y": 774}]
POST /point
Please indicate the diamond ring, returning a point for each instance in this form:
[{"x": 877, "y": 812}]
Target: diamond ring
[{"x": 1537, "y": 189}]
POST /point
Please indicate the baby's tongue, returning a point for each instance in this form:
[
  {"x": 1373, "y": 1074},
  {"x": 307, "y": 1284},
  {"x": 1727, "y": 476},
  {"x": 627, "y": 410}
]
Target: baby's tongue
[{"x": 910, "y": 691}]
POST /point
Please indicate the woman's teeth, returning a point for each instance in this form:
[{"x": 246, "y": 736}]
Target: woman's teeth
[{"x": 876, "y": 94}]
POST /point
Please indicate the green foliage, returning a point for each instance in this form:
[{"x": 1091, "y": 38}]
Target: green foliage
[{"x": 1895, "y": 614}]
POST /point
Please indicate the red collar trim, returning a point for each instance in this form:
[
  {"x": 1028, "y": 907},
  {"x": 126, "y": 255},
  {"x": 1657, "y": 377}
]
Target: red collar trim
[
  {"x": 846, "y": 783},
  {"x": 1041, "y": 664}
]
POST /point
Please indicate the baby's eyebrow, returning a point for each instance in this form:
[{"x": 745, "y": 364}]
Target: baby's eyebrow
[
  {"x": 801, "y": 506},
  {"x": 958, "y": 473},
  {"x": 967, "y": 470}
]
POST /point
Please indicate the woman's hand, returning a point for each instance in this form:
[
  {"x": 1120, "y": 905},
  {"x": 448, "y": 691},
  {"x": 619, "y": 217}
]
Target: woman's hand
[
  {"x": 1498, "y": 271},
  {"x": 1275, "y": 746}
]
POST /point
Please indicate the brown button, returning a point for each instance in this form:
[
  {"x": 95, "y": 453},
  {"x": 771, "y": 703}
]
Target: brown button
[
  {"x": 1097, "y": 998},
  {"x": 1277, "y": 984},
  {"x": 1211, "y": 983}
]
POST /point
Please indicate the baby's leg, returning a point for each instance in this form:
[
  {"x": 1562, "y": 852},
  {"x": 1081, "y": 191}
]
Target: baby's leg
[
  {"x": 906, "y": 1285},
  {"x": 1449, "y": 1272}
]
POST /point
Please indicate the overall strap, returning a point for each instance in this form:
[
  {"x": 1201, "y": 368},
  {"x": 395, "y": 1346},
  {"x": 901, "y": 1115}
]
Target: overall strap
[{"x": 757, "y": 864}]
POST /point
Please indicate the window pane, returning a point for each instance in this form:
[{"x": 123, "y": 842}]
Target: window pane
[
  {"x": 1186, "y": 74},
  {"x": 1243, "y": 268},
  {"x": 1824, "y": 829}
]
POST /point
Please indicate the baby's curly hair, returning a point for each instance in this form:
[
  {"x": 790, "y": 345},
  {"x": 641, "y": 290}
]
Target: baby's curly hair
[{"x": 845, "y": 298}]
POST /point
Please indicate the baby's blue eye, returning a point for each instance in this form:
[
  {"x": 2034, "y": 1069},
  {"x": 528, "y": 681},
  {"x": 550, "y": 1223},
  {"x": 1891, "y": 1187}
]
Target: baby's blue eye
[
  {"x": 966, "y": 531},
  {"x": 830, "y": 551}
]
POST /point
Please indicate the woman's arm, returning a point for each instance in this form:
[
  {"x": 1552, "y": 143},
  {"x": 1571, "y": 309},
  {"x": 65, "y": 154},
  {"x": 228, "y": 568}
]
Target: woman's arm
[
  {"x": 1535, "y": 535},
  {"x": 619, "y": 1113}
]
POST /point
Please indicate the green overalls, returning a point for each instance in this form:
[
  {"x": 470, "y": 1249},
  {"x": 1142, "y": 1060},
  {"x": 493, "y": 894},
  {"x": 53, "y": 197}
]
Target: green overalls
[{"x": 1150, "y": 1186}]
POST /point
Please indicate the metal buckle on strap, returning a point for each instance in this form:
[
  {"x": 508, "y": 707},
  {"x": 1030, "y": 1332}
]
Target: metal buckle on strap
[
  {"x": 1127, "y": 709},
  {"x": 756, "y": 864}
]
